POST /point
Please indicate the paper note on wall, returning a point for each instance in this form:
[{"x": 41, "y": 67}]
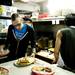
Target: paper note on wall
[
  {"x": 53, "y": 21},
  {"x": 57, "y": 21}
]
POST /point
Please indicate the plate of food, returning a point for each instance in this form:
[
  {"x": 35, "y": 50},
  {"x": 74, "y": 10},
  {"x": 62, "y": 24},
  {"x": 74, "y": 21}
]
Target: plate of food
[
  {"x": 40, "y": 70},
  {"x": 24, "y": 61},
  {"x": 4, "y": 71}
]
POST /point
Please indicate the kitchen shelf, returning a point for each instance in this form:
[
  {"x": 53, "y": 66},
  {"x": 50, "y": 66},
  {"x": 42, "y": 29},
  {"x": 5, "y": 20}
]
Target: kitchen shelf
[{"x": 5, "y": 17}]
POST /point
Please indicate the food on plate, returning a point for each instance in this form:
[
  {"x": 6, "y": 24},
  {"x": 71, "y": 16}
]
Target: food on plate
[
  {"x": 24, "y": 61},
  {"x": 51, "y": 49},
  {"x": 40, "y": 70},
  {"x": 3, "y": 71}
]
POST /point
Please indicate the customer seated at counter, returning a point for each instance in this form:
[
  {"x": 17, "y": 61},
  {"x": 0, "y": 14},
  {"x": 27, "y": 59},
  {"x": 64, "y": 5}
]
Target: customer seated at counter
[
  {"x": 18, "y": 38},
  {"x": 65, "y": 44}
]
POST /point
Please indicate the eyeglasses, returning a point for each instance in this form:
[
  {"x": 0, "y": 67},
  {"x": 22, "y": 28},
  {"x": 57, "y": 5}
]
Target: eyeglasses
[{"x": 17, "y": 25}]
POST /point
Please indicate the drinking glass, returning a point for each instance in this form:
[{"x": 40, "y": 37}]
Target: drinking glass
[{"x": 50, "y": 45}]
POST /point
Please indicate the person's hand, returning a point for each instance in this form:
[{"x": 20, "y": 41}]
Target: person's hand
[
  {"x": 54, "y": 61},
  {"x": 4, "y": 52},
  {"x": 52, "y": 58},
  {"x": 33, "y": 53},
  {"x": 1, "y": 53}
]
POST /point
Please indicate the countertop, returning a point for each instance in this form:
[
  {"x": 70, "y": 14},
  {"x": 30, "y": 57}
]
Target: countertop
[{"x": 13, "y": 70}]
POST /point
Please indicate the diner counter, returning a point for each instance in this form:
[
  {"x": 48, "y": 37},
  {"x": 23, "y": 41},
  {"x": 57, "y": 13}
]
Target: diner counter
[{"x": 13, "y": 70}]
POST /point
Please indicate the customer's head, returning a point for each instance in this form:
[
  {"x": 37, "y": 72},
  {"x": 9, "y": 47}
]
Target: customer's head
[
  {"x": 16, "y": 20},
  {"x": 70, "y": 20}
]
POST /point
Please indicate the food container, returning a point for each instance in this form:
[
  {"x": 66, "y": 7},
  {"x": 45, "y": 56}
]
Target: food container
[{"x": 38, "y": 70}]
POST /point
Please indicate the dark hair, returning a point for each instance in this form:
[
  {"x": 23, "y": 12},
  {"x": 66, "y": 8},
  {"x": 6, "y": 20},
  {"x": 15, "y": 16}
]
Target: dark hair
[
  {"x": 27, "y": 19},
  {"x": 14, "y": 16},
  {"x": 70, "y": 20}
]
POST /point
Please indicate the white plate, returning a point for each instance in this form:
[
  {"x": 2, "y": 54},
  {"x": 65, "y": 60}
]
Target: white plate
[{"x": 30, "y": 59}]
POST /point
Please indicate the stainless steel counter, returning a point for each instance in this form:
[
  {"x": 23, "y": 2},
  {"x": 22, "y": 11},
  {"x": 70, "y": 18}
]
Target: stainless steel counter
[{"x": 13, "y": 70}]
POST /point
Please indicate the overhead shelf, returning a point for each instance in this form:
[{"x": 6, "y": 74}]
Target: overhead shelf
[
  {"x": 36, "y": 1},
  {"x": 4, "y": 17}
]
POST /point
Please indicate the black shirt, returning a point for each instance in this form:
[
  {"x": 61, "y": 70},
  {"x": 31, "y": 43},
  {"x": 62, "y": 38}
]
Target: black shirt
[
  {"x": 67, "y": 48},
  {"x": 18, "y": 47}
]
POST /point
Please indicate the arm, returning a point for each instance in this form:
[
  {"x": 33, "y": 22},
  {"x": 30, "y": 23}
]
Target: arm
[
  {"x": 8, "y": 38},
  {"x": 32, "y": 34},
  {"x": 57, "y": 46},
  {"x": 32, "y": 39},
  {"x": 5, "y": 51}
]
